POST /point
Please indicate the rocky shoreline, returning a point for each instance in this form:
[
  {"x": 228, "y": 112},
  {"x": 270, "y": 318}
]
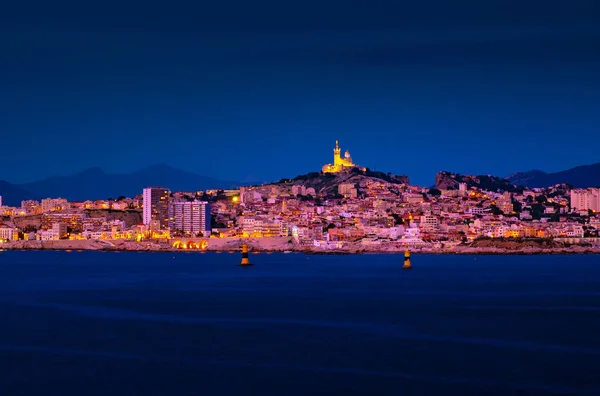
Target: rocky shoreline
[{"x": 281, "y": 245}]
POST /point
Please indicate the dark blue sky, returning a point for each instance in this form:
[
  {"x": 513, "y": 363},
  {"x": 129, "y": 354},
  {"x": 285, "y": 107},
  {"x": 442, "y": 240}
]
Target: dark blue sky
[{"x": 261, "y": 90}]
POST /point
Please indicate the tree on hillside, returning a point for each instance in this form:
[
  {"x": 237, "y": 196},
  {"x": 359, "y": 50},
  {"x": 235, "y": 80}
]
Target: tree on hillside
[
  {"x": 221, "y": 196},
  {"x": 434, "y": 192},
  {"x": 591, "y": 232},
  {"x": 496, "y": 211},
  {"x": 216, "y": 224},
  {"x": 517, "y": 206},
  {"x": 30, "y": 228},
  {"x": 398, "y": 220},
  {"x": 537, "y": 211}
]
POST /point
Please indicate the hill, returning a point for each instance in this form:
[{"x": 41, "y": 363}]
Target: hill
[
  {"x": 450, "y": 181},
  {"x": 578, "y": 177},
  {"x": 13, "y": 194},
  {"x": 94, "y": 183},
  {"x": 327, "y": 183}
]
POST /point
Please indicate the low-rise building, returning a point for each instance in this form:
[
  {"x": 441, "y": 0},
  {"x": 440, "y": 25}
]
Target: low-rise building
[
  {"x": 54, "y": 204},
  {"x": 7, "y": 233}
]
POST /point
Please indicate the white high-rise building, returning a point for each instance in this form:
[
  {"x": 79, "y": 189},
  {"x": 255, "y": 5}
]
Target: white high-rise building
[
  {"x": 156, "y": 205},
  {"x": 190, "y": 217},
  {"x": 585, "y": 199}
]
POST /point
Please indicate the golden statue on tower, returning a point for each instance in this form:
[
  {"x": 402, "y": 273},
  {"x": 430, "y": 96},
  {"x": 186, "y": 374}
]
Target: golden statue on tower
[{"x": 339, "y": 163}]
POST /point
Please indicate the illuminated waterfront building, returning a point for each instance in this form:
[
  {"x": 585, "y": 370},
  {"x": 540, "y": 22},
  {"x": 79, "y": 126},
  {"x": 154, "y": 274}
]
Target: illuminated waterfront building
[
  {"x": 190, "y": 217},
  {"x": 156, "y": 205},
  {"x": 7, "y": 233}
]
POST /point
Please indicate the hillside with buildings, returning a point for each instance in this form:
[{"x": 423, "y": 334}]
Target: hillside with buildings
[
  {"x": 339, "y": 184},
  {"x": 343, "y": 207},
  {"x": 340, "y": 178}
]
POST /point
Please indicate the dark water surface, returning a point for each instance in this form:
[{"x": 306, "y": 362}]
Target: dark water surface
[{"x": 96, "y": 323}]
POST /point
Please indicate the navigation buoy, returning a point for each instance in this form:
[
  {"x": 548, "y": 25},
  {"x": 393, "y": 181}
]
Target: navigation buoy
[
  {"x": 245, "y": 261},
  {"x": 407, "y": 264}
]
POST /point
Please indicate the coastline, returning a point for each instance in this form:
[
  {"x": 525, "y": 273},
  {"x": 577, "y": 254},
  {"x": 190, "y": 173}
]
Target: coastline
[{"x": 283, "y": 245}]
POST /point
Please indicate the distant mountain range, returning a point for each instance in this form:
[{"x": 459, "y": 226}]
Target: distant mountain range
[
  {"x": 94, "y": 183},
  {"x": 579, "y": 177},
  {"x": 451, "y": 181},
  {"x": 13, "y": 194}
]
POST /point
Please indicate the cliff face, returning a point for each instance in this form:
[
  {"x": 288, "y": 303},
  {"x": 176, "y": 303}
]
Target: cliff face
[
  {"x": 514, "y": 244},
  {"x": 446, "y": 181},
  {"x": 23, "y": 222},
  {"x": 130, "y": 217}
]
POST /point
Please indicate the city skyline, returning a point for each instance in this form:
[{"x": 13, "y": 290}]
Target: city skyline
[
  {"x": 408, "y": 88},
  {"x": 164, "y": 166}
]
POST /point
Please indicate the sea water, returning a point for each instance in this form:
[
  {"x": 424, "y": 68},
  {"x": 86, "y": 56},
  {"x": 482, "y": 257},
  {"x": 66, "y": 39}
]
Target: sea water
[{"x": 100, "y": 323}]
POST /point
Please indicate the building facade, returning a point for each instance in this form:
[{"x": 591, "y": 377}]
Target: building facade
[
  {"x": 156, "y": 205},
  {"x": 7, "y": 233},
  {"x": 348, "y": 190},
  {"x": 190, "y": 217},
  {"x": 262, "y": 226},
  {"x": 58, "y": 231},
  {"x": 339, "y": 163},
  {"x": 54, "y": 204},
  {"x": 585, "y": 199}
]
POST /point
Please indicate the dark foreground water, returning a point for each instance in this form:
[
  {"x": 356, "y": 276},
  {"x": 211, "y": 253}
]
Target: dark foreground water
[{"x": 97, "y": 323}]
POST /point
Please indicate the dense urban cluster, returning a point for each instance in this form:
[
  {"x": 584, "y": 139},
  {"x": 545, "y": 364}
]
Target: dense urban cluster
[
  {"x": 369, "y": 213},
  {"x": 156, "y": 213},
  {"x": 348, "y": 206}
]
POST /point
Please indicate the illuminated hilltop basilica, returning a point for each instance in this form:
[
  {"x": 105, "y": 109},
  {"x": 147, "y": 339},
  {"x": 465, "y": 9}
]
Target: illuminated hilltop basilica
[{"x": 340, "y": 164}]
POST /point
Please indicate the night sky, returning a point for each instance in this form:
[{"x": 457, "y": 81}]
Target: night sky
[{"x": 260, "y": 90}]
